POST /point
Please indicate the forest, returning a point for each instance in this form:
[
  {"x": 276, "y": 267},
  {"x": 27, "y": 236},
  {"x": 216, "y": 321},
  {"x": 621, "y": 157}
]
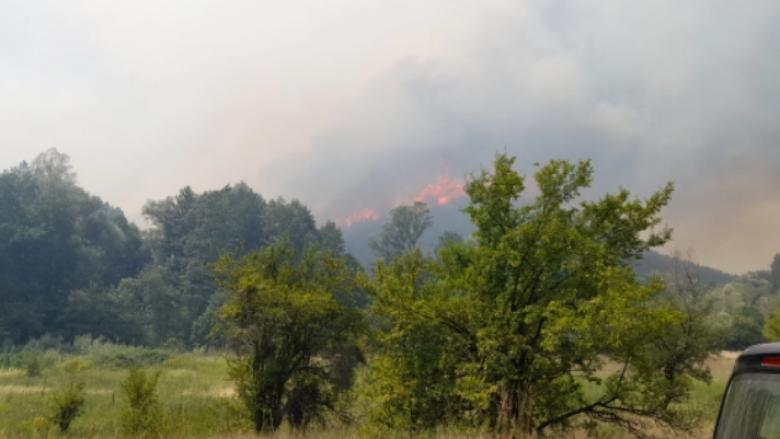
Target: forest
[{"x": 549, "y": 316}]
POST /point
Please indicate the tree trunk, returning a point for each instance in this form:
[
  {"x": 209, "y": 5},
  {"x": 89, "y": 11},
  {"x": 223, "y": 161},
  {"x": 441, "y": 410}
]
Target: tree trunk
[{"x": 514, "y": 412}]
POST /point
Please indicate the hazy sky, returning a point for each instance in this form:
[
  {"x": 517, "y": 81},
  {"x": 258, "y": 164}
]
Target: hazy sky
[{"x": 360, "y": 104}]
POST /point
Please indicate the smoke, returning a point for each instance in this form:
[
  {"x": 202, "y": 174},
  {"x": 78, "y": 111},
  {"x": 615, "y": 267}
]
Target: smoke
[
  {"x": 357, "y": 106},
  {"x": 652, "y": 92}
]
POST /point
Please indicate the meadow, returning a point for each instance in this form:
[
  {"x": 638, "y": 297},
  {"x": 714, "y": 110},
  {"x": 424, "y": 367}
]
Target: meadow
[{"x": 196, "y": 398}]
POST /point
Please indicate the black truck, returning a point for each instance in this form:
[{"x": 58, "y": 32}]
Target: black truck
[{"x": 751, "y": 405}]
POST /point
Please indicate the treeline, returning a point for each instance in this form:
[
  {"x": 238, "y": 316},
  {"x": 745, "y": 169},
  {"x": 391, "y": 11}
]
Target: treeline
[
  {"x": 72, "y": 264},
  {"x": 747, "y": 302}
]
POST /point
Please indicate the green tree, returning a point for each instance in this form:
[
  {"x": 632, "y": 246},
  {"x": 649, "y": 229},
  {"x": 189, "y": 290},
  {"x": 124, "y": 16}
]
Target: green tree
[
  {"x": 331, "y": 238},
  {"x": 447, "y": 239},
  {"x": 282, "y": 313},
  {"x": 55, "y": 238},
  {"x": 507, "y": 331},
  {"x": 680, "y": 351},
  {"x": 402, "y": 233},
  {"x": 67, "y": 405},
  {"x": 191, "y": 231},
  {"x": 772, "y": 328},
  {"x": 143, "y": 413},
  {"x": 154, "y": 302},
  {"x": 292, "y": 221}
]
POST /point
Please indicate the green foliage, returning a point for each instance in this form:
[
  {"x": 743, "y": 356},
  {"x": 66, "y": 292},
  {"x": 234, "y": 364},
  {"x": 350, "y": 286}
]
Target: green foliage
[
  {"x": 122, "y": 357},
  {"x": 401, "y": 234},
  {"x": 157, "y": 304},
  {"x": 749, "y": 302},
  {"x": 771, "y": 330},
  {"x": 507, "y": 331},
  {"x": 33, "y": 366},
  {"x": 65, "y": 406},
  {"x": 111, "y": 355},
  {"x": 747, "y": 329},
  {"x": 77, "y": 365},
  {"x": 681, "y": 349},
  {"x": 282, "y": 315},
  {"x": 143, "y": 414},
  {"x": 774, "y": 273},
  {"x": 56, "y": 238}
]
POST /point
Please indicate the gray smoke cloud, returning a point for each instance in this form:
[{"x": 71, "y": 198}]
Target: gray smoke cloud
[{"x": 361, "y": 104}]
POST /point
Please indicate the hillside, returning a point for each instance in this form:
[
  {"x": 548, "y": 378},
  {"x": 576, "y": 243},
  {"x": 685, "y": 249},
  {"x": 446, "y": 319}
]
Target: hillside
[{"x": 654, "y": 262}]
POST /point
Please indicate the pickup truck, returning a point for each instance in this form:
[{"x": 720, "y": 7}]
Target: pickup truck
[{"x": 750, "y": 408}]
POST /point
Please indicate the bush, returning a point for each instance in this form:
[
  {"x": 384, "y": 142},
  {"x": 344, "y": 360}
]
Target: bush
[
  {"x": 33, "y": 366},
  {"x": 47, "y": 342},
  {"x": 122, "y": 357},
  {"x": 107, "y": 354},
  {"x": 143, "y": 414},
  {"x": 66, "y": 406},
  {"x": 6, "y": 359},
  {"x": 75, "y": 365}
]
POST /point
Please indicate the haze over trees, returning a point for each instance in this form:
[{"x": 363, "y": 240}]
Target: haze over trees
[
  {"x": 72, "y": 264},
  {"x": 507, "y": 329},
  {"x": 402, "y": 232}
]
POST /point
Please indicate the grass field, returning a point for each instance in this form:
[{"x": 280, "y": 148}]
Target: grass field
[{"x": 197, "y": 400}]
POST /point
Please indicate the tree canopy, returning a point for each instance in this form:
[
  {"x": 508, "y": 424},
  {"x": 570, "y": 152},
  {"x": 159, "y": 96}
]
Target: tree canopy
[
  {"x": 507, "y": 330},
  {"x": 283, "y": 316},
  {"x": 403, "y": 231}
]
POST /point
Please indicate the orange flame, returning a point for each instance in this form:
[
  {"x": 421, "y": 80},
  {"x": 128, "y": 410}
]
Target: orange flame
[
  {"x": 443, "y": 191},
  {"x": 358, "y": 216}
]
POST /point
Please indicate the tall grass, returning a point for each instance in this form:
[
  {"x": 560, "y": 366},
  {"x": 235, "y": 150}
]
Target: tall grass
[{"x": 194, "y": 396}]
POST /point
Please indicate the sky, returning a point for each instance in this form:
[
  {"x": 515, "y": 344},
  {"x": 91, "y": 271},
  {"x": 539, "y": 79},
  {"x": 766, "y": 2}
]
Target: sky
[{"x": 354, "y": 106}]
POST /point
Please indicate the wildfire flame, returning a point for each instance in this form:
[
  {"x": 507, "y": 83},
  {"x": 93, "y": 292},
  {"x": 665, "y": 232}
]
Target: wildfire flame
[
  {"x": 443, "y": 191},
  {"x": 358, "y": 216}
]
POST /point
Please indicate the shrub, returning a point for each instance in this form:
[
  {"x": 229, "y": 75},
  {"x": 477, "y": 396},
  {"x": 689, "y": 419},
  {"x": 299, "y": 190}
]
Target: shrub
[
  {"x": 67, "y": 405},
  {"x": 122, "y": 357},
  {"x": 84, "y": 344},
  {"x": 143, "y": 414},
  {"x": 107, "y": 354},
  {"x": 75, "y": 365},
  {"x": 7, "y": 358},
  {"x": 33, "y": 366}
]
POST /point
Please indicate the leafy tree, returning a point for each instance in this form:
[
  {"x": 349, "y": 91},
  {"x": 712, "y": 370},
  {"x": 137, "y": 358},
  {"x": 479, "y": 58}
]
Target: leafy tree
[
  {"x": 54, "y": 166},
  {"x": 292, "y": 221},
  {"x": 143, "y": 413},
  {"x": 331, "y": 238},
  {"x": 173, "y": 222},
  {"x": 190, "y": 232},
  {"x": 156, "y": 304},
  {"x": 402, "y": 233},
  {"x": 775, "y": 273},
  {"x": 748, "y": 329},
  {"x": 509, "y": 328},
  {"x": 283, "y": 312},
  {"x": 67, "y": 405},
  {"x": 772, "y": 328},
  {"x": 55, "y": 238},
  {"x": 95, "y": 310},
  {"x": 680, "y": 351},
  {"x": 447, "y": 239}
]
